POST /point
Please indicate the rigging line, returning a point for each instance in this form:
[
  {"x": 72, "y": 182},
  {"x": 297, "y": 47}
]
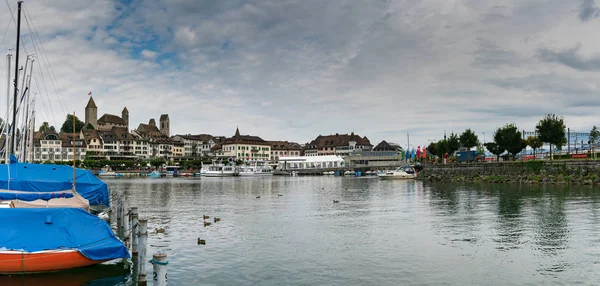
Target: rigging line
[
  {"x": 7, "y": 27},
  {"x": 43, "y": 103},
  {"x": 44, "y": 56}
]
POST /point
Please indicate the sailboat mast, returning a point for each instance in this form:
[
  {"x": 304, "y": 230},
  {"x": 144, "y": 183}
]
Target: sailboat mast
[
  {"x": 26, "y": 121},
  {"x": 74, "y": 154},
  {"x": 6, "y": 121},
  {"x": 14, "y": 117}
]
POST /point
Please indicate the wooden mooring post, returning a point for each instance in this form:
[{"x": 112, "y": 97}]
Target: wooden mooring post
[
  {"x": 143, "y": 240},
  {"x": 133, "y": 214}
]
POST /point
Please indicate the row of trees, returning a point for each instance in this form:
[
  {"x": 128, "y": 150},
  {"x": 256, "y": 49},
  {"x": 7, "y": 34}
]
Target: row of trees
[{"x": 550, "y": 129}]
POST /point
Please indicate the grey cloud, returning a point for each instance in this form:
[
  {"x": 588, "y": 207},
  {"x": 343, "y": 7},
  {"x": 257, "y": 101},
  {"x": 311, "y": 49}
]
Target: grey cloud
[
  {"x": 570, "y": 58},
  {"x": 588, "y": 10}
]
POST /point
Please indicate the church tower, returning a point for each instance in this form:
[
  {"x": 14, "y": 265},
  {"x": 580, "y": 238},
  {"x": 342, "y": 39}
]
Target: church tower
[
  {"x": 165, "y": 125},
  {"x": 91, "y": 113},
  {"x": 125, "y": 117}
]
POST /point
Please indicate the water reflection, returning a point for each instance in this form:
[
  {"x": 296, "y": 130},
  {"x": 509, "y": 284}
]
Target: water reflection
[{"x": 380, "y": 233}]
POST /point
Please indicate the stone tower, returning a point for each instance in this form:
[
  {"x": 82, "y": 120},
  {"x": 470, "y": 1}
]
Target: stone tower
[
  {"x": 91, "y": 113},
  {"x": 152, "y": 122},
  {"x": 125, "y": 116},
  {"x": 165, "y": 125}
]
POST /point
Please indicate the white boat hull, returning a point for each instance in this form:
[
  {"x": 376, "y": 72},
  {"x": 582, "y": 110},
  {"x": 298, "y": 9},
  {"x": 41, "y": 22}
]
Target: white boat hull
[
  {"x": 211, "y": 174},
  {"x": 255, "y": 174},
  {"x": 395, "y": 177}
]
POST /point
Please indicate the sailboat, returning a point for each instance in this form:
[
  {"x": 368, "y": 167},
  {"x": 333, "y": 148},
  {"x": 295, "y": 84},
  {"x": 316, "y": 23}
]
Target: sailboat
[{"x": 42, "y": 232}]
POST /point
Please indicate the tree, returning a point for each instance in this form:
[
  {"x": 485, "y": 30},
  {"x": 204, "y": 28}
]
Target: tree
[
  {"x": 509, "y": 138},
  {"x": 594, "y": 136},
  {"x": 431, "y": 149},
  {"x": 552, "y": 130},
  {"x": 441, "y": 147},
  {"x": 45, "y": 127},
  {"x": 480, "y": 150},
  {"x": 495, "y": 149},
  {"x": 453, "y": 143},
  {"x": 67, "y": 126},
  {"x": 468, "y": 139},
  {"x": 535, "y": 143}
]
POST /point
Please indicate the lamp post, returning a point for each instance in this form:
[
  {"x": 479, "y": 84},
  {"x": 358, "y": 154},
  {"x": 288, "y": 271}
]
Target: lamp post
[{"x": 483, "y": 138}]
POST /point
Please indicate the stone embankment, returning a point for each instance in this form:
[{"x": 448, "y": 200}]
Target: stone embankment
[{"x": 532, "y": 172}]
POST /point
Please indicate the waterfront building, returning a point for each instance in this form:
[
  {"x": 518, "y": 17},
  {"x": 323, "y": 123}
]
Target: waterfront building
[
  {"x": 338, "y": 144},
  {"x": 196, "y": 145},
  {"x": 310, "y": 162},
  {"x": 243, "y": 147},
  {"x": 284, "y": 149},
  {"x": 57, "y": 147},
  {"x": 385, "y": 146},
  {"x": 178, "y": 148}
]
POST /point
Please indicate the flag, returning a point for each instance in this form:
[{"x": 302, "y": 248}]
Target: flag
[
  {"x": 424, "y": 153},
  {"x": 90, "y": 93}
]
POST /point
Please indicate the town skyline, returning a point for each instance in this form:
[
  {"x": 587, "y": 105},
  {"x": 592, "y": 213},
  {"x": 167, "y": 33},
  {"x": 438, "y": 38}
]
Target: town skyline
[{"x": 279, "y": 74}]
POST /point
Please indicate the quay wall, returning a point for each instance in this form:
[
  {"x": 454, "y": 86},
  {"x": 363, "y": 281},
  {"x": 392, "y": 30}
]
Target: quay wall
[{"x": 585, "y": 172}]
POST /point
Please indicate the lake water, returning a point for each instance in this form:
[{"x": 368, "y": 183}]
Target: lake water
[{"x": 380, "y": 233}]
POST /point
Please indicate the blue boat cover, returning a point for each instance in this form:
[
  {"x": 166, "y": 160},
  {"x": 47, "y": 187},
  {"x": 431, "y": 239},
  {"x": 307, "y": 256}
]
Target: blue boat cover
[
  {"x": 49, "y": 178},
  {"x": 37, "y": 229}
]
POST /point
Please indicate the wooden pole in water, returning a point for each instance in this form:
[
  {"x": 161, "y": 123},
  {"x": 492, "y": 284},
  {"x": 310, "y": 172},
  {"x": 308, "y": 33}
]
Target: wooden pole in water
[
  {"x": 143, "y": 240},
  {"x": 120, "y": 216},
  {"x": 126, "y": 225},
  {"x": 159, "y": 263},
  {"x": 134, "y": 230}
]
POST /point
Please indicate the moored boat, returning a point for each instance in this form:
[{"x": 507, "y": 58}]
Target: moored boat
[
  {"x": 72, "y": 238},
  {"x": 220, "y": 170},
  {"x": 256, "y": 169},
  {"x": 404, "y": 172}
]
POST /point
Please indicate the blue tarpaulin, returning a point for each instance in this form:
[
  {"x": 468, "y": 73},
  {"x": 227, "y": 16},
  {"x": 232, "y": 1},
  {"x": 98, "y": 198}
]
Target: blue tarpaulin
[
  {"x": 50, "y": 178},
  {"x": 38, "y": 229}
]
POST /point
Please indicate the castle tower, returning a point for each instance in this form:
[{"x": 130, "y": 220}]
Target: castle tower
[
  {"x": 91, "y": 113},
  {"x": 125, "y": 116},
  {"x": 165, "y": 125}
]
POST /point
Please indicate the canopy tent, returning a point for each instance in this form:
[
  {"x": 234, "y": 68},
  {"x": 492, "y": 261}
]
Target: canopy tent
[
  {"x": 50, "y": 178},
  {"x": 39, "y": 229}
]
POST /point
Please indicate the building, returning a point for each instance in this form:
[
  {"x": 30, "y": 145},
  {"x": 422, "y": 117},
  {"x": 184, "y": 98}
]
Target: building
[
  {"x": 284, "y": 149},
  {"x": 195, "y": 145},
  {"x": 107, "y": 121},
  {"x": 178, "y": 148},
  {"x": 338, "y": 144},
  {"x": 385, "y": 146},
  {"x": 243, "y": 147},
  {"x": 310, "y": 162},
  {"x": 165, "y": 125},
  {"x": 57, "y": 147}
]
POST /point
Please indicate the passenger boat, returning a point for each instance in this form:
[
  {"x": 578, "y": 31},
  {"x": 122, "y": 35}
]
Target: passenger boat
[
  {"x": 107, "y": 172},
  {"x": 256, "y": 169},
  {"x": 72, "y": 238},
  {"x": 404, "y": 172},
  {"x": 220, "y": 170}
]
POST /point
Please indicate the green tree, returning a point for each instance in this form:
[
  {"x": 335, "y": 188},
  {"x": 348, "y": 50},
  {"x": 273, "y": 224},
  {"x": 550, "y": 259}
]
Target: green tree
[
  {"x": 67, "y": 126},
  {"x": 495, "y": 149},
  {"x": 431, "y": 149},
  {"x": 468, "y": 139},
  {"x": 509, "y": 138},
  {"x": 45, "y": 127},
  {"x": 594, "y": 136},
  {"x": 441, "y": 147},
  {"x": 453, "y": 143},
  {"x": 480, "y": 149},
  {"x": 551, "y": 129},
  {"x": 534, "y": 142},
  {"x": 157, "y": 162}
]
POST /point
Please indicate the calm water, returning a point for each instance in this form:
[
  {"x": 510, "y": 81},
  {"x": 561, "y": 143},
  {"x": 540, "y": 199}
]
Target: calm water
[{"x": 380, "y": 233}]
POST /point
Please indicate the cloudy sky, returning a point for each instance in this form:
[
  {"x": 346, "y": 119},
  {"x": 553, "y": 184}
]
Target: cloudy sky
[{"x": 294, "y": 69}]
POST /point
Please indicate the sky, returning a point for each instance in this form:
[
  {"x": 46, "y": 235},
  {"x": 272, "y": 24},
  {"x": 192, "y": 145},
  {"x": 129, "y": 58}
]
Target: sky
[{"x": 295, "y": 69}]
